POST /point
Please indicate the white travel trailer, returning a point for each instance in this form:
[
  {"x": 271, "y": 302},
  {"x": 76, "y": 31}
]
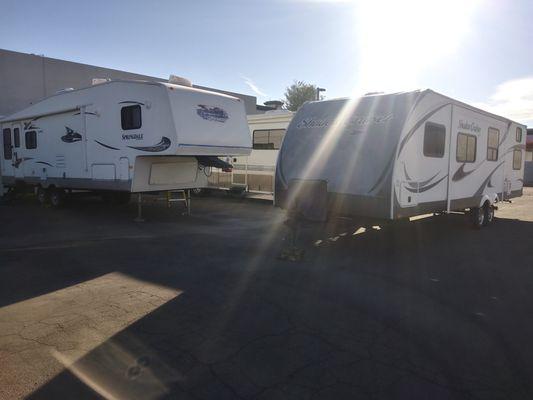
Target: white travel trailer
[
  {"x": 122, "y": 136},
  {"x": 392, "y": 156},
  {"x": 255, "y": 173}
]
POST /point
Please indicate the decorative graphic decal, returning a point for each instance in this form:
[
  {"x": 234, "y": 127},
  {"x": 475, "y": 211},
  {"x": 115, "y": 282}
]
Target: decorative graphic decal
[
  {"x": 420, "y": 186},
  {"x": 426, "y": 188},
  {"x": 480, "y": 190},
  {"x": 461, "y": 173},
  {"x": 212, "y": 113},
  {"x": 469, "y": 126},
  {"x": 132, "y": 136},
  {"x": 131, "y": 102},
  {"x": 161, "y": 146},
  {"x": 71, "y": 136},
  {"x": 44, "y": 163},
  {"x": 105, "y": 145},
  {"x": 86, "y": 113},
  {"x": 19, "y": 161},
  {"x": 354, "y": 124},
  {"x": 29, "y": 125}
]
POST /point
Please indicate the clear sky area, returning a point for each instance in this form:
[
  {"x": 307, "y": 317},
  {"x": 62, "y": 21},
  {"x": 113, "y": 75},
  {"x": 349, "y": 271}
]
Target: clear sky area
[{"x": 478, "y": 51}]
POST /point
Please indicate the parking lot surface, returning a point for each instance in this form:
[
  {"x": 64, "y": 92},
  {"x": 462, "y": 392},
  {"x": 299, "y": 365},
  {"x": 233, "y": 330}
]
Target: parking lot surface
[{"x": 93, "y": 304}]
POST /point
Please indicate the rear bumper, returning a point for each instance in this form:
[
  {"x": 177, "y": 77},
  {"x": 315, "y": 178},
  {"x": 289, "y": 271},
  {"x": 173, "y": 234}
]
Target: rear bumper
[{"x": 314, "y": 202}]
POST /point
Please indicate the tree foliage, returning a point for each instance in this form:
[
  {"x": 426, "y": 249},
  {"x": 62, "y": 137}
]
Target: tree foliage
[{"x": 298, "y": 93}]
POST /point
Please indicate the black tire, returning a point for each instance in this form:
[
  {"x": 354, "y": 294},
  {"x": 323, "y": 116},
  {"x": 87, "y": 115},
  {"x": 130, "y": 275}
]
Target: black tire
[
  {"x": 477, "y": 217},
  {"x": 43, "y": 195},
  {"x": 57, "y": 197},
  {"x": 489, "y": 214}
]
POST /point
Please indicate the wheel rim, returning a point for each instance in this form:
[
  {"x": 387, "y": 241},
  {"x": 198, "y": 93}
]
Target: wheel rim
[
  {"x": 490, "y": 214},
  {"x": 480, "y": 216}
]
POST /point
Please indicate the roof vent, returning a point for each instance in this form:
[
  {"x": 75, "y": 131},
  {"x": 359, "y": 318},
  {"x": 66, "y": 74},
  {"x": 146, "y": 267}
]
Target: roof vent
[
  {"x": 69, "y": 89},
  {"x": 99, "y": 81},
  {"x": 275, "y": 104},
  {"x": 178, "y": 80}
]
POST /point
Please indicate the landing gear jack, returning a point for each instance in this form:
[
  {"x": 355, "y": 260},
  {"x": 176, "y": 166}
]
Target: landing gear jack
[
  {"x": 139, "y": 217},
  {"x": 292, "y": 252}
]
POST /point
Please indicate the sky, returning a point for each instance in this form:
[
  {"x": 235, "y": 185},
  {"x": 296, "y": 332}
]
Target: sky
[{"x": 478, "y": 51}]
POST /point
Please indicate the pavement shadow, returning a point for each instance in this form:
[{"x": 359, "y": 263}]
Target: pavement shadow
[{"x": 391, "y": 314}]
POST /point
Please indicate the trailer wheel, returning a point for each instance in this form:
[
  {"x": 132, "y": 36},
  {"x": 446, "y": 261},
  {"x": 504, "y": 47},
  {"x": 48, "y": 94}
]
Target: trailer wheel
[
  {"x": 489, "y": 214},
  {"x": 42, "y": 195},
  {"x": 477, "y": 216},
  {"x": 57, "y": 197}
]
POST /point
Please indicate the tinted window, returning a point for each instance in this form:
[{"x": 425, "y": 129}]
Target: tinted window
[
  {"x": 434, "y": 140},
  {"x": 31, "y": 139},
  {"x": 518, "y": 134},
  {"x": 493, "y": 140},
  {"x": 130, "y": 117},
  {"x": 517, "y": 159},
  {"x": 268, "y": 139},
  {"x": 466, "y": 147},
  {"x": 7, "y": 143},
  {"x": 16, "y": 137}
]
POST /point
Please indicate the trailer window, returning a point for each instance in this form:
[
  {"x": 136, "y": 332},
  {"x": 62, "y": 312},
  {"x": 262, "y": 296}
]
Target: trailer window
[
  {"x": 434, "y": 140},
  {"x": 517, "y": 159},
  {"x": 466, "y": 148},
  {"x": 131, "y": 117},
  {"x": 16, "y": 137},
  {"x": 493, "y": 140},
  {"x": 7, "y": 143},
  {"x": 31, "y": 140},
  {"x": 268, "y": 139},
  {"x": 519, "y": 134}
]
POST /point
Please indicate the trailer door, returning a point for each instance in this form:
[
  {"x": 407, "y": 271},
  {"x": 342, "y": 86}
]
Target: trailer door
[
  {"x": 7, "y": 152},
  {"x": 18, "y": 152},
  {"x": 514, "y": 162}
]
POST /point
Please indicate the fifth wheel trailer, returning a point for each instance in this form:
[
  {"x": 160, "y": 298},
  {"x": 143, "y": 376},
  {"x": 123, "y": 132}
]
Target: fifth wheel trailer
[
  {"x": 392, "y": 156},
  {"x": 122, "y": 136}
]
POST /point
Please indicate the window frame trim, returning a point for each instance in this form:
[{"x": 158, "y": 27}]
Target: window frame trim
[
  {"x": 435, "y": 124},
  {"x": 457, "y": 146},
  {"x": 131, "y": 106},
  {"x": 518, "y": 129},
  {"x": 10, "y": 143},
  {"x": 268, "y": 137},
  {"x": 493, "y": 148},
  {"x": 521, "y": 163},
  {"x": 16, "y": 137},
  {"x": 26, "y": 139}
]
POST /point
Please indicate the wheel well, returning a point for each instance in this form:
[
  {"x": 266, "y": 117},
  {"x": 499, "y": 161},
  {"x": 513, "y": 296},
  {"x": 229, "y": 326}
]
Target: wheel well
[{"x": 490, "y": 199}]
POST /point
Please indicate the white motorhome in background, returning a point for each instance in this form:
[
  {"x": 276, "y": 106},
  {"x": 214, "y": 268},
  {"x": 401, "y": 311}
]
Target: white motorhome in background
[
  {"x": 122, "y": 136},
  {"x": 398, "y": 155},
  {"x": 255, "y": 173}
]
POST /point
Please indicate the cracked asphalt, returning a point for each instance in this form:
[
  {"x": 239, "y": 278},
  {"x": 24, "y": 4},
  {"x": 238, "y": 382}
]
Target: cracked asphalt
[{"x": 94, "y": 305}]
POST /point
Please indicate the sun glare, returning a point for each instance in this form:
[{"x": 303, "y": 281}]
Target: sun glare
[{"x": 397, "y": 40}]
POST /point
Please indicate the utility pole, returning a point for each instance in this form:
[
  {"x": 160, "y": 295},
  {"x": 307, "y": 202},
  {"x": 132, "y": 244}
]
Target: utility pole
[{"x": 318, "y": 90}]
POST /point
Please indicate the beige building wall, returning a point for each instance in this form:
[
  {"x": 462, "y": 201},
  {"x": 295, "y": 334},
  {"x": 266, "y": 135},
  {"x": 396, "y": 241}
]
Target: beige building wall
[{"x": 26, "y": 78}]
